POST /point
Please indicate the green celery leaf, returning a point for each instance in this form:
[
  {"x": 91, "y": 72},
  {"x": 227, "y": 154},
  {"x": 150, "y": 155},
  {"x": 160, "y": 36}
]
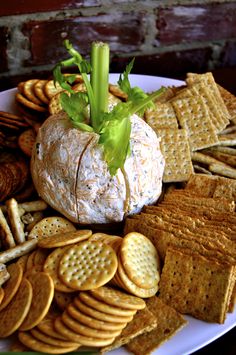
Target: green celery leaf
[
  {"x": 123, "y": 81},
  {"x": 115, "y": 137},
  {"x": 76, "y": 106},
  {"x": 63, "y": 80}
]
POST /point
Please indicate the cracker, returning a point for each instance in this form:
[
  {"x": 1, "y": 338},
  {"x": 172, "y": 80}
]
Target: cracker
[
  {"x": 14, "y": 314},
  {"x": 30, "y": 260},
  {"x": 201, "y": 185},
  {"x": 143, "y": 322},
  {"x": 163, "y": 116},
  {"x": 193, "y": 115},
  {"x": 131, "y": 287},
  {"x": 43, "y": 291},
  {"x": 18, "y": 251},
  {"x": 15, "y": 221},
  {"x": 50, "y": 226},
  {"x": 93, "y": 322},
  {"x": 29, "y": 104},
  {"x": 54, "y": 105},
  {"x": 117, "y": 298},
  {"x": 51, "y": 89},
  {"x": 176, "y": 150},
  {"x": 47, "y": 339},
  {"x": 83, "y": 340},
  {"x": 6, "y": 236},
  {"x": 140, "y": 260},
  {"x": 101, "y": 306},
  {"x": 230, "y": 102},
  {"x": 28, "y": 91},
  {"x": 34, "y": 344},
  {"x": 168, "y": 321},
  {"x": 62, "y": 239},
  {"x": 26, "y": 141},
  {"x": 46, "y": 326},
  {"x": 4, "y": 276},
  {"x": 12, "y": 285},
  {"x": 87, "y": 265},
  {"x": 196, "y": 285},
  {"x": 115, "y": 90},
  {"x": 36, "y": 217},
  {"x": 81, "y": 329},
  {"x": 40, "y": 256},
  {"x": 39, "y": 91},
  {"x": 51, "y": 267},
  {"x": 63, "y": 299}
]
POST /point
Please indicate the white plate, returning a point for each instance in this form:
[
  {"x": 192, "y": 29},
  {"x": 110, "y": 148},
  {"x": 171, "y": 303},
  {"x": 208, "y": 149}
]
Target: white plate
[{"x": 197, "y": 333}]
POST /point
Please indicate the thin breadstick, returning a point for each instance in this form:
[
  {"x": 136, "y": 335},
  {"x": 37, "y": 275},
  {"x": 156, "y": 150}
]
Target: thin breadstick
[
  {"x": 15, "y": 221},
  {"x": 33, "y": 206},
  {"x": 6, "y": 236},
  {"x": 18, "y": 251}
]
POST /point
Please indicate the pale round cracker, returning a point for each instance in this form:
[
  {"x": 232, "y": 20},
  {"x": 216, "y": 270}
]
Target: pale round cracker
[
  {"x": 87, "y": 309},
  {"x": 132, "y": 287},
  {"x": 51, "y": 267},
  {"x": 43, "y": 291},
  {"x": 87, "y": 265},
  {"x": 92, "y": 322},
  {"x": 118, "y": 298},
  {"x": 82, "y": 329},
  {"x": 140, "y": 260},
  {"x": 15, "y": 312},
  {"x": 37, "y": 334},
  {"x": 63, "y": 239},
  {"x": 32, "y": 343},
  {"x": 50, "y": 226},
  {"x": 83, "y": 340},
  {"x": 101, "y": 306},
  {"x": 12, "y": 285}
]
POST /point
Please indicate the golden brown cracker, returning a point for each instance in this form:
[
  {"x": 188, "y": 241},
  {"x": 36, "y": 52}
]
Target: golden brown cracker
[
  {"x": 12, "y": 285},
  {"x": 50, "y": 226},
  {"x": 66, "y": 238}
]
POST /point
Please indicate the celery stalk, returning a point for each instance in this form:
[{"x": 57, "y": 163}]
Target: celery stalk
[{"x": 99, "y": 80}]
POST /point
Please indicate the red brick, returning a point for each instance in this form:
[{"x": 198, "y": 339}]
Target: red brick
[
  {"x": 14, "y": 7},
  {"x": 196, "y": 23},
  {"x": 170, "y": 64},
  {"x": 123, "y": 31},
  {"x": 3, "y": 49}
]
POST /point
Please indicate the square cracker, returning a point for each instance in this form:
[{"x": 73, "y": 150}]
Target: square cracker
[
  {"x": 230, "y": 102},
  {"x": 176, "y": 151},
  {"x": 163, "y": 116},
  {"x": 196, "y": 285},
  {"x": 202, "y": 185},
  {"x": 143, "y": 322},
  {"x": 193, "y": 115},
  {"x": 169, "y": 321}
]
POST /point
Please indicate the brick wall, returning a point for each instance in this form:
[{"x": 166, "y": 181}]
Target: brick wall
[{"x": 168, "y": 38}]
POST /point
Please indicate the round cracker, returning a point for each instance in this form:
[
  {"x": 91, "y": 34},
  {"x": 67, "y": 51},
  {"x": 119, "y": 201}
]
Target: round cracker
[
  {"x": 39, "y": 91},
  {"x": 117, "y": 298},
  {"x": 63, "y": 239},
  {"x": 43, "y": 291},
  {"x": 140, "y": 260},
  {"x": 88, "y": 331},
  {"x": 132, "y": 287},
  {"x": 29, "y": 104},
  {"x": 104, "y": 307},
  {"x": 37, "y": 334},
  {"x": 12, "y": 285},
  {"x": 51, "y": 267},
  {"x": 32, "y": 343},
  {"x": 87, "y": 265},
  {"x": 28, "y": 91},
  {"x": 91, "y": 321},
  {"x": 26, "y": 141},
  {"x": 54, "y": 105},
  {"x": 100, "y": 315},
  {"x": 12, "y": 316},
  {"x": 50, "y": 226},
  {"x": 46, "y": 326},
  {"x": 83, "y": 340},
  {"x": 63, "y": 299}
]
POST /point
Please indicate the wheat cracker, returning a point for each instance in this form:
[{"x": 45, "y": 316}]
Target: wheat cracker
[
  {"x": 87, "y": 265},
  {"x": 12, "y": 316}
]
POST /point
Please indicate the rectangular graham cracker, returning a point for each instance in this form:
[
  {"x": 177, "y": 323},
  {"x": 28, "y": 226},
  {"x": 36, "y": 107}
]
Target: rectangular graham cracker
[
  {"x": 169, "y": 321},
  {"x": 209, "y": 81},
  {"x": 196, "y": 285},
  {"x": 176, "y": 151},
  {"x": 193, "y": 116},
  {"x": 163, "y": 116},
  {"x": 144, "y": 321}
]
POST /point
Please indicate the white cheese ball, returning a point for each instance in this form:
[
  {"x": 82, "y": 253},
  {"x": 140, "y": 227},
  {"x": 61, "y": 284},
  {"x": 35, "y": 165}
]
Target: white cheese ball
[{"x": 70, "y": 174}]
